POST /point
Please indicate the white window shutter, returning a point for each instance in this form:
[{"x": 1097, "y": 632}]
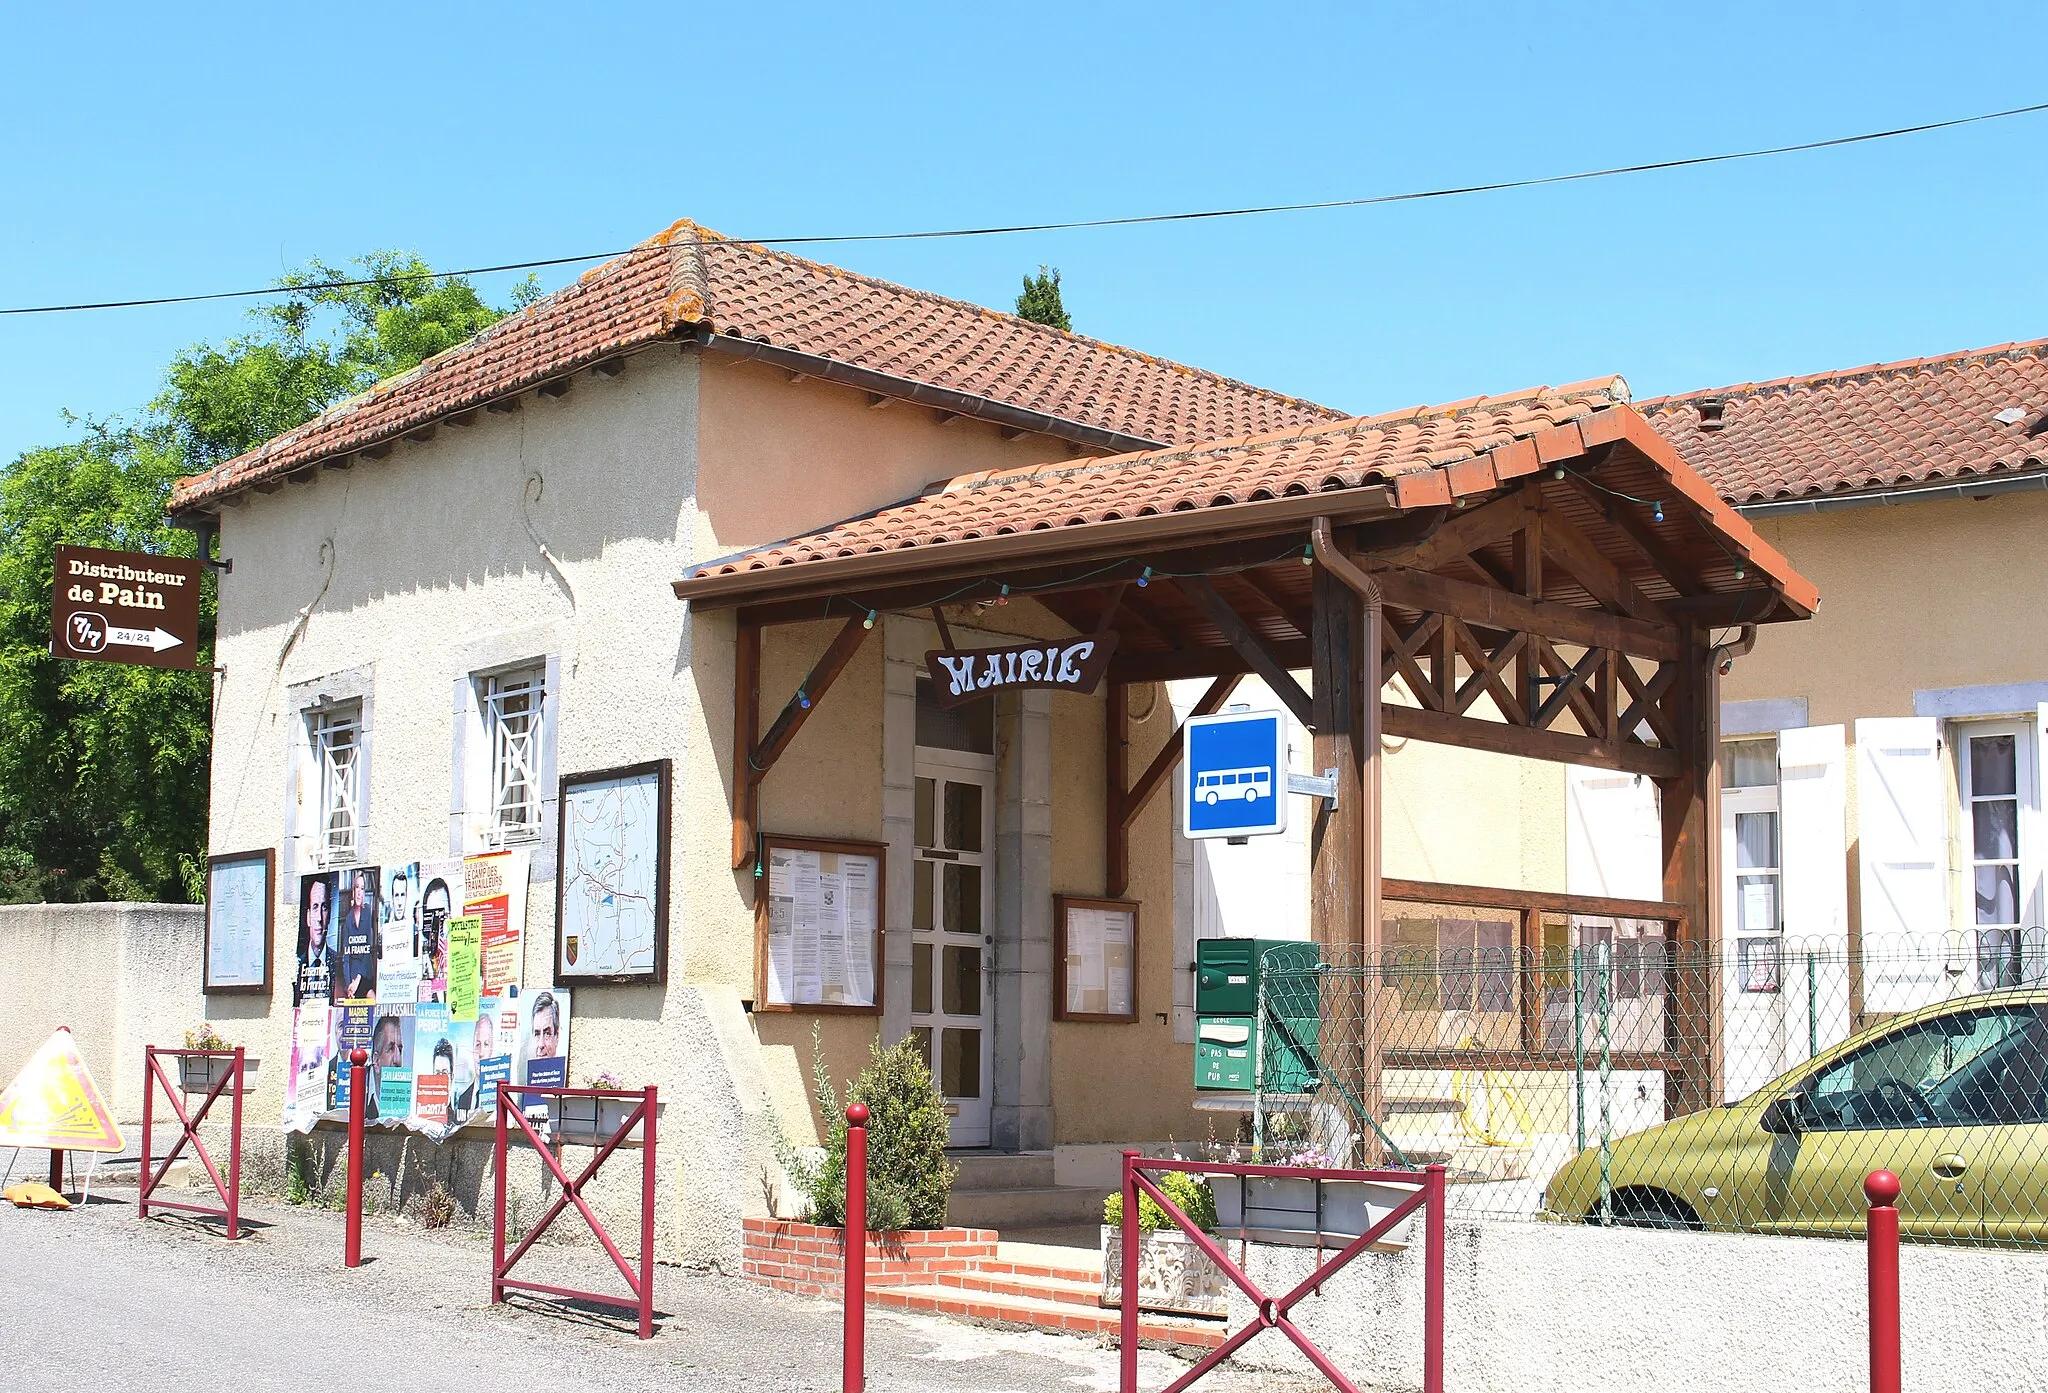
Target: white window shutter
[
  {"x": 1814, "y": 857},
  {"x": 1613, "y": 842},
  {"x": 1902, "y": 828}
]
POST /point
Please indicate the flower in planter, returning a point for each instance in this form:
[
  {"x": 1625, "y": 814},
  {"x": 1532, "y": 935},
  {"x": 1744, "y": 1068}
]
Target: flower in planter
[
  {"x": 204, "y": 1037},
  {"x": 1308, "y": 1158},
  {"x": 605, "y": 1079}
]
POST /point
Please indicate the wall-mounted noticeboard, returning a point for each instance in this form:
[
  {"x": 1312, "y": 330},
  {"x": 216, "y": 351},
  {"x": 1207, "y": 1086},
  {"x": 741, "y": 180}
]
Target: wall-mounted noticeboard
[
  {"x": 1095, "y": 959},
  {"x": 818, "y": 926},
  {"x": 240, "y": 905}
]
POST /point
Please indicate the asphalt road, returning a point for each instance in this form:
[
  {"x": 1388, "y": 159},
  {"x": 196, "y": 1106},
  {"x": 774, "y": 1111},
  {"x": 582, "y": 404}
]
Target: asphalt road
[{"x": 99, "y": 1300}]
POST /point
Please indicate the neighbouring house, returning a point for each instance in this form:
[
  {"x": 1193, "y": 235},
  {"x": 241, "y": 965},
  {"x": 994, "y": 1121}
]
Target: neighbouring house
[{"x": 687, "y": 532}]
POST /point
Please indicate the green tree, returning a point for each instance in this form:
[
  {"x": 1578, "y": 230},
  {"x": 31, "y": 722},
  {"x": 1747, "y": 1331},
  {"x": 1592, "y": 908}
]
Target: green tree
[
  {"x": 103, "y": 767},
  {"x": 1040, "y": 303}
]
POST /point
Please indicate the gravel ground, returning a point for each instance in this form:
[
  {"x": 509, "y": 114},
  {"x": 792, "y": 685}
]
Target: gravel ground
[{"x": 97, "y": 1299}]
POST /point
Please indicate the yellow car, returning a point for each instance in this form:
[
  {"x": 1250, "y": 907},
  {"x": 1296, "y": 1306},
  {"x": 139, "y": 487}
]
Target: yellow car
[{"x": 1951, "y": 1098}]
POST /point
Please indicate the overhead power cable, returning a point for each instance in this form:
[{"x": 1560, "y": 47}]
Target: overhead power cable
[{"x": 1416, "y": 196}]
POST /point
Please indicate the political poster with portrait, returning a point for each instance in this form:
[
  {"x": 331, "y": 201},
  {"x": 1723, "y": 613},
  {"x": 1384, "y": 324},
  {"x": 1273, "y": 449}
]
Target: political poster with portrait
[
  {"x": 398, "y": 952},
  {"x": 440, "y": 895},
  {"x": 542, "y": 1054},
  {"x": 357, "y": 932},
  {"x": 428, "y": 1072},
  {"x": 316, "y": 965}
]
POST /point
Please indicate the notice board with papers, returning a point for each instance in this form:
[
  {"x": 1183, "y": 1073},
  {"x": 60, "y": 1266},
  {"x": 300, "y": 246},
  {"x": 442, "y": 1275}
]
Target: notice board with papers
[
  {"x": 818, "y": 926},
  {"x": 1095, "y": 959}
]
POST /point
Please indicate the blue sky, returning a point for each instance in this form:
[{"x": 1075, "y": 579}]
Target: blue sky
[{"x": 152, "y": 149}]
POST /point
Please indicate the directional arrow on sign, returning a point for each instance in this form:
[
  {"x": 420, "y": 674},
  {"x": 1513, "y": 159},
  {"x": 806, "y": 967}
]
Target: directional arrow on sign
[{"x": 155, "y": 640}]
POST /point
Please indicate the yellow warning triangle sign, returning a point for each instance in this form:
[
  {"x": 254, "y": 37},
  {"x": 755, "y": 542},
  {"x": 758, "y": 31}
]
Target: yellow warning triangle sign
[{"x": 53, "y": 1104}]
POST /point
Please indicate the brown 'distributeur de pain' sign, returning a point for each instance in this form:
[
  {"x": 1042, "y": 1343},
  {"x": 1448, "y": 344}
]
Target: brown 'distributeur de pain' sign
[
  {"x": 125, "y": 607},
  {"x": 1065, "y": 665}
]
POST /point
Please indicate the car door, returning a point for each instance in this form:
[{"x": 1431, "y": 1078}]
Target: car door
[
  {"x": 1893, "y": 1104},
  {"x": 2001, "y": 1093}
]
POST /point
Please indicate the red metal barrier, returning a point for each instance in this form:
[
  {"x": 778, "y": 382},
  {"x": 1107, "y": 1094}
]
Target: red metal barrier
[
  {"x": 1881, "y": 1188},
  {"x": 1272, "y": 1312},
  {"x": 230, "y": 1191},
  {"x": 511, "y": 1104},
  {"x": 352, "y": 1198},
  {"x": 853, "y": 1376}
]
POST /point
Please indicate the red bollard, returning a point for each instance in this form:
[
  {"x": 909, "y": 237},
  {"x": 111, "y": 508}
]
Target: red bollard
[
  {"x": 854, "y": 1377},
  {"x": 1127, "y": 1238},
  {"x": 1881, "y": 1188},
  {"x": 352, "y": 1235}
]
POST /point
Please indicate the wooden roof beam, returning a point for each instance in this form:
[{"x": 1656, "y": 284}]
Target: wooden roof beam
[
  {"x": 1602, "y": 579},
  {"x": 1239, "y": 636}
]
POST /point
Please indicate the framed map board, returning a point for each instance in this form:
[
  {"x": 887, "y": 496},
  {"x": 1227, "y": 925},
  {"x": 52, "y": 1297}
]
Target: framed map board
[
  {"x": 611, "y": 875},
  {"x": 818, "y": 926},
  {"x": 240, "y": 909},
  {"x": 1095, "y": 960}
]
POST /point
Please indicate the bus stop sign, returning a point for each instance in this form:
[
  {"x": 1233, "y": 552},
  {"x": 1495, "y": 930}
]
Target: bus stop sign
[{"x": 1234, "y": 775}]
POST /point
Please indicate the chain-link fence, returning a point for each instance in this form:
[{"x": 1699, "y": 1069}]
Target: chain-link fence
[{"x": 1593, "y": 1068}]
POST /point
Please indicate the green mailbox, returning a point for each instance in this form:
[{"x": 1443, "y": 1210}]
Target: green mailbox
[{"x": 1233, "y": 1048}]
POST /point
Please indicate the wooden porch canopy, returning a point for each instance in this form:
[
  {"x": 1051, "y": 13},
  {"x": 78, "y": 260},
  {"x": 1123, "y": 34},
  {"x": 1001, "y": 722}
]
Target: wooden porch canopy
[{"x": 1537, "y": 575}]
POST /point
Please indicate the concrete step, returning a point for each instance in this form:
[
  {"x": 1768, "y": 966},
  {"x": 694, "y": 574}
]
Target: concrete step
[
  {"x": 1076, "y": 1290},
  {"x": 1036, "y": 1206},
  {"x": 1056, "y": 1316},
  {"x": 1001, "y": 1170},
  {"x": 1060, "y": 1272}
]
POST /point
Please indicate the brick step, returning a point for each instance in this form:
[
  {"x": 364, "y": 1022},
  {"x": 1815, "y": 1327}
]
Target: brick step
[
  {"x": 1078, "y": 1290},
  {"x": 1004, "y": 1267},
  {"x": 1054, "y": 1316}
]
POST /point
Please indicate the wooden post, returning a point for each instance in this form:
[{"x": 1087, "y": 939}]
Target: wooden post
[
  {"x": 1116, "y": 726},
  {"x": 1691, "y": 828},
  {"x": 1344, "y": 870},
  {"x": 746, "y": 734}
]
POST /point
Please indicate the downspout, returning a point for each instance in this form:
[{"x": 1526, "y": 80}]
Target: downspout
[
  {"x": 1727, "y": 653},
  {"x": 1367, "y": 751}
]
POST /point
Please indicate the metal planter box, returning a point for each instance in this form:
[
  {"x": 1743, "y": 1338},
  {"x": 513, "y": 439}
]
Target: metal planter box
[
  {"x": 199, "y": 1074},
  {"x": 591, "y": 1121},
  {"x": 1309, "y": 1212}
]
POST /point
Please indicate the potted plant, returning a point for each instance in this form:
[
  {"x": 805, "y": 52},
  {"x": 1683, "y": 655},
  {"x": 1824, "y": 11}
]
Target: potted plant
[
  {"x": 1310, "y": 1210},
  {"x": 199, "y": 1073},
  {"x": 591, "y": 1121},
  {"x": 1173, "y": 1274}
]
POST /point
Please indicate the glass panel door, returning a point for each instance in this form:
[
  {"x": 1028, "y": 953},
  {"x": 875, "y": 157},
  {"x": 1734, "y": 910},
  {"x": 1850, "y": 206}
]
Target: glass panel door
[{"x": 952, "y": 942}]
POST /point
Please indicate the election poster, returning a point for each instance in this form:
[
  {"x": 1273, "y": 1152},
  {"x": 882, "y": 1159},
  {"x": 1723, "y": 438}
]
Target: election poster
[
  {"x": 316, "y": 965},
  {"x": 542, "y": 1056},
  {"x": 359, "y": 932},
  {"x": 440, "y": 901},
  {"x": 497, "y": 1031},
  {"x": 398, "y": 953},
  {"x": 465, "y": 965},
  {"x": 306, "y": 1088},
  {"x": 433, "y": 1068},
  {"x": 494, "y": 888}
]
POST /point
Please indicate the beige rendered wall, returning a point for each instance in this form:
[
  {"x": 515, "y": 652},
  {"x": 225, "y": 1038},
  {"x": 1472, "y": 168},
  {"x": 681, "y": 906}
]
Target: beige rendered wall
[
  {"x": 121, "y": 976},
  {"x": 1922, "y": 596}
]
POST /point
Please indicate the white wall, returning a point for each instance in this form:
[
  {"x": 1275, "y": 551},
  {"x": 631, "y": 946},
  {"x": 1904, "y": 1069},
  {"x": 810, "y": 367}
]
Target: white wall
[
  {"x": 122, "y": 976},
  {"x": 549, "y": 532},
  {"x": 1543, "y": 1308}
]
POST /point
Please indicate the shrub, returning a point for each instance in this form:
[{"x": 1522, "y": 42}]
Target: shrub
[
  {"x": 437, "y": 1211},
  {"x": 909, "y": 1177},
  {"x": 1189, "y": 1192}
]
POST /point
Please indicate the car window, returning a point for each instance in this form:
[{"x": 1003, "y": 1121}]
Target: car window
[{"x": 1960, "y": 1069}]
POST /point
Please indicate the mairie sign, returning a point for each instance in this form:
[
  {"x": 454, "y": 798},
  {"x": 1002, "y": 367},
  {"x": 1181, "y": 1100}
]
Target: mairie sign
[
  {"x": 52, "y": 1103},
  {"x": 1069, "y": 665},
  {"x": 1234, "y": 775}
]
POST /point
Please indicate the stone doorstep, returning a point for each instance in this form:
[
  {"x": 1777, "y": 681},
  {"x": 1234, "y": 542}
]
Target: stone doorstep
[{"x": 1051, "y": 1315}]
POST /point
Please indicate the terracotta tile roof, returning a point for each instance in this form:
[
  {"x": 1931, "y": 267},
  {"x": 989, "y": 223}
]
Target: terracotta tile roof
[
  {"x": 1265, "y": 485},
  {"x": 1419, "y": 452},
  {"x": 690, "y": 278},
  {"x": 1872, "y": 428}
]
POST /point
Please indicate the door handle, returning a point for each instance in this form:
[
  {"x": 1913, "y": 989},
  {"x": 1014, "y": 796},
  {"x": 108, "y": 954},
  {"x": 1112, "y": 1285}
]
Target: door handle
[{"x": 1950, "y": 1166}]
